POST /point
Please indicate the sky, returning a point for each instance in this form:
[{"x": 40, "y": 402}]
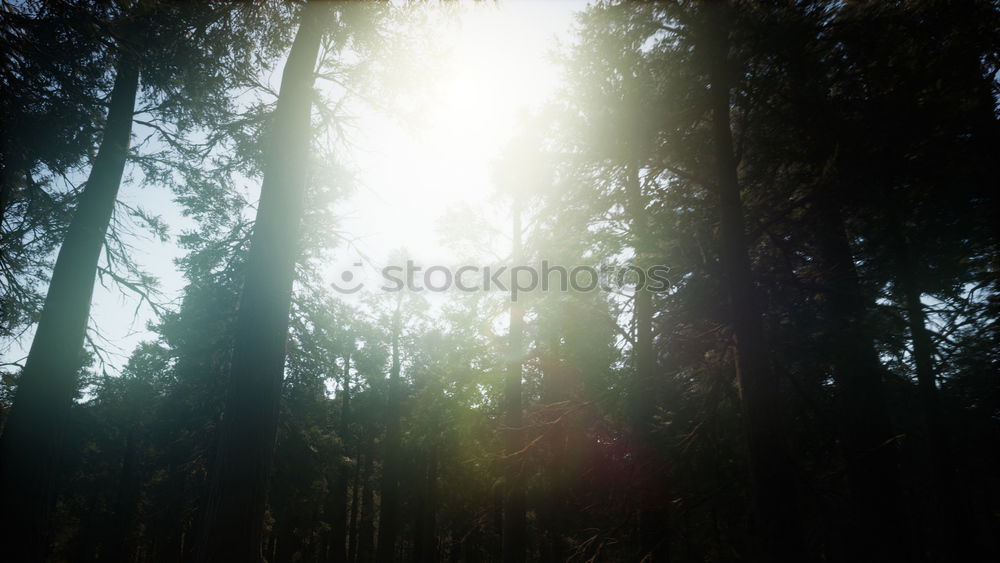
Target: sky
[{"x": 495, "y": 66}]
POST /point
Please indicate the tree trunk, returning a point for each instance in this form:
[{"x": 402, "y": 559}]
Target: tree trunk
[
  {"x": 352, "y": 529},
  {"x": 234, "y": 519},
  {"x": 282, "y": 541},
  {"x": 947, "y": 496},
  {"x": 122, "y": 541},
  {"x": 425, "y": 547},
  {"x": 552, "y": 508},
  {"x": 652, "y": 521},
  {"x": 908, "y": 292},
  {"x": 775, "y": 499},
  {"x": 337, "y": 507},
  {"x": 514, "y": 522},
  {"x": 872, "y": 460},
  {"x": 388, "y": 527},
  {"x": 366, "y": 528},
  {"x": 168, "y": 528},
  {"x": 30, "y": 445}
]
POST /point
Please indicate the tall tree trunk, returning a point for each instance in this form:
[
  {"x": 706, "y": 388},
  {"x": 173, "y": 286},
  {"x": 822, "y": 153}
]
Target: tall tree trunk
[
  {"x": 871, "y": 456},
  {"x": 909, "y": 293},
  {"x": 431, "y": 548},
  {"x": 122, "y": 541},
  {"x": 774, "y": 495},
  {"x": 352, "y": 529},
  {"x": 418, "y": 500},
  {"x": 337, "y": 506},
  {"x": 425, "y": 547},
  {"x": 388, "y": 523},
  {"x": 30, "y": 445},
  {"x": 952, "y": 537},
  {"x": 88, "y": 546},
  {"x": 168, "y": 529},
  {"x": 281, "y": 542},
  {"x": 366, "y": 528},
  {"x": 552, "y": 505},
  {"x": 234, "y": 518},
  {"x": 653, "y": 542},
  {"x": 514, "y": 522}
]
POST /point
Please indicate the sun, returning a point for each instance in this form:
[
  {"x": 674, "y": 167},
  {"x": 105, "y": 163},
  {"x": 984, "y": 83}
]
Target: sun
[{"x": 491, "y": 65}]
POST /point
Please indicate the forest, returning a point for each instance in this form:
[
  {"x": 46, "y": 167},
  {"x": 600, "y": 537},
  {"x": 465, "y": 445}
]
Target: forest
[{"x": 203, "y": 356}]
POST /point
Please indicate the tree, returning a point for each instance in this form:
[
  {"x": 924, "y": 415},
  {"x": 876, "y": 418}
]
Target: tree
[
  {"x": 388, "y": 520},
  {"x": 30, "y": 442},
  {"x": 775, "y": 498},
  {"x": 514, "y": 524},
  {"x": 54, "y": 84},
  {"x": 234, "y": 517}
]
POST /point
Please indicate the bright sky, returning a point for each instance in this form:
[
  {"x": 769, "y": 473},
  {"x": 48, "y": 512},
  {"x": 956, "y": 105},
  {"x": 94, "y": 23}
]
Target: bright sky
[{"x": 496, "y": 65}]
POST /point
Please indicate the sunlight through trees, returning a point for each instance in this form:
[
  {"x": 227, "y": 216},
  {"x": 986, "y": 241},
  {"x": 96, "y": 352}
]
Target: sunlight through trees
[{"x": 679, "y": 281}]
